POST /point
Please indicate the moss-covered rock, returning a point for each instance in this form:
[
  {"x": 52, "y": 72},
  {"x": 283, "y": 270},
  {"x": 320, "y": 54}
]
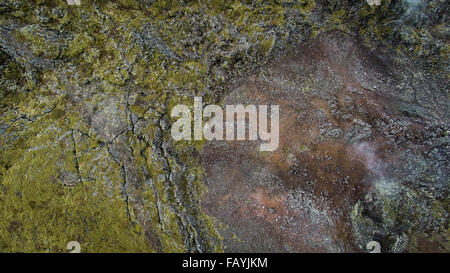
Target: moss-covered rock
[{"x": 86, "y": 94}]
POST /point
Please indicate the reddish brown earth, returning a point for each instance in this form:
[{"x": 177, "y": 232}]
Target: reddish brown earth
[{"x": 340, "y": 130}]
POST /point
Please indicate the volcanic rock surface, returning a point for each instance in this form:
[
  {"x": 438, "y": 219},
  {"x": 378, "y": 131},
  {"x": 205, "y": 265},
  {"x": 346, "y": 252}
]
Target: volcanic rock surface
[
  {"x": 86, "y": 152},
  {"x": 356, "y": 135}
]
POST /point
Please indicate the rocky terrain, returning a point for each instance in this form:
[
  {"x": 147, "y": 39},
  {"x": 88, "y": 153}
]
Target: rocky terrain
[{"x": 86, "y": 152}]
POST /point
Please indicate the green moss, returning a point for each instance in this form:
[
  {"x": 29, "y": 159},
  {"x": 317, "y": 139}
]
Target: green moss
[
  {"x": 306, "y": 6},
  {"x": 38, "y": 44},
  {"x": 79, "y": 44},
  {"x": 267, "y": 45},
  {"x": 13, "y": 72},
  {"x": 41, "y": 215}
]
